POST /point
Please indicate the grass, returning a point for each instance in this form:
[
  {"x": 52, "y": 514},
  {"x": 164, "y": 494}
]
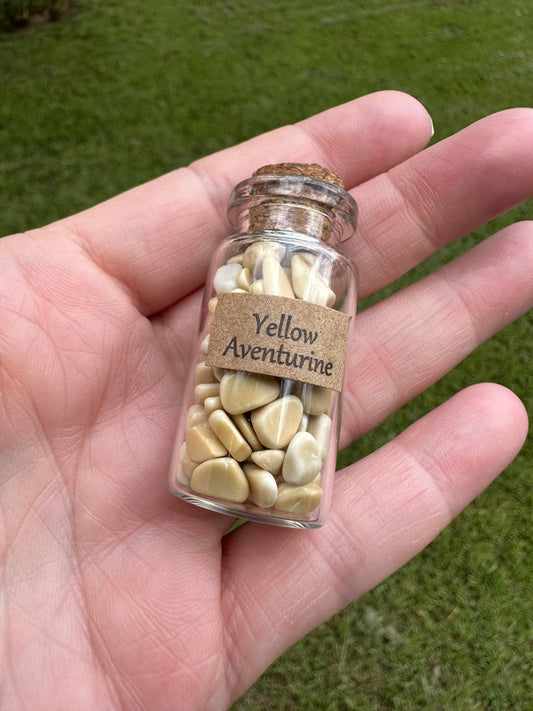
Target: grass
[{"x": 123, "y": 90}]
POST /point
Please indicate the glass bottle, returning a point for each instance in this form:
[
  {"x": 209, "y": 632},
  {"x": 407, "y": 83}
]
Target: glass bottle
[{"x": 257, "y": 436}]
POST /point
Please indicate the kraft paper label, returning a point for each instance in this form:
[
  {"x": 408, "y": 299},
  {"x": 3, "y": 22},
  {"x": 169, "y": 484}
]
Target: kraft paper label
[{"x": 274, "y": 335}]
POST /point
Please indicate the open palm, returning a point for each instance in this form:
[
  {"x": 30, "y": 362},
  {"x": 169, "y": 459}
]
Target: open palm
[{"x": 115, "y": 595}]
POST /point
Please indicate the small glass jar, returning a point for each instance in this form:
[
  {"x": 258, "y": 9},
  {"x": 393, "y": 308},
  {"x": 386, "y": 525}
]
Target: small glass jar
[{"x": 257, "y": 437}]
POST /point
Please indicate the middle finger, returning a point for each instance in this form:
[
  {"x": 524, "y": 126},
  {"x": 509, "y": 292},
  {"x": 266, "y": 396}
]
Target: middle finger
[
  {"x": 440, "y": 194},
  {"x": 405, "y": 343}
]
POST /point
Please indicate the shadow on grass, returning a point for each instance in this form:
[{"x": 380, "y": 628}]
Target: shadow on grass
[{"x": 22, "y": 14}]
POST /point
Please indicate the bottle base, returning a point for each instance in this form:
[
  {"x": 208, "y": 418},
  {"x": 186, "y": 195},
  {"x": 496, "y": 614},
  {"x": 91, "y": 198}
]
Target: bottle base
[{"x": 270, "y": 516}]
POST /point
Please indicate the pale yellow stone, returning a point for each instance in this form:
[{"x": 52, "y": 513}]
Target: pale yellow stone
[
  {"x": 209, "y": 322},
  {"x": 308, "y": 284},
  {"x": 309, "y": 257},
  {"x": 263, "y": 487},
  {"x": 219, "y": 373},
  {"x": 204, "y": 345},
  {"x": 237, "y": 259},
  {"x": 320, "y": 293},
  {"x": 302, "y": 461},
  {"x": 212, "y": 403},
  {"x": 257, "y": 287},
  {"x": 225, "y": 279},
  {"x": 247, "y": 430},
  {"x": 185, "y": 467},
  {"x": 229, "y": 435},
  {"x": 186, "y": 462},
  {"x": 211, "y": 306},
  {"x": 196, "y": 415},
  {"x": 298, "y": 499},
  {"x": 221, "y": 478},
  {"x": 303, "y": 423},
  {"x": 238, "y": 290},
  {"x": 203, "y": 444},
  {"x": 204, "y": 390},
  {"x": 275, "y": 280},
  {"x": 276, "y": 423},
  {"x": 189, "y": 466},
  {"x": 269, "y": 459},
  {"x": 315, "y": 399},
  {"x": 181, "y": 475},
  {"x": 301, "y": 267},
  {"x": 244, "y": 279},
  {"x": 256, "y": 253},
  {"x": 241, "y": 391},
  {"x": 320, "y": 427},
  {"x": 204, "y": 374}
]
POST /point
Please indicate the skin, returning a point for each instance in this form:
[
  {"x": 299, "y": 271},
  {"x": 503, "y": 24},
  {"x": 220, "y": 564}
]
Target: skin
[{"x": 116, "y": 595}]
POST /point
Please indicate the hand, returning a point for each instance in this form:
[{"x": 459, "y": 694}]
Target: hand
[{"x": 114, "y": 594}]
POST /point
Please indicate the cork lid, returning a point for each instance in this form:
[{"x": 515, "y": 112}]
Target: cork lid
[
  {"x": 294, "y": 209},
  {"x": 311, "y": 170}
]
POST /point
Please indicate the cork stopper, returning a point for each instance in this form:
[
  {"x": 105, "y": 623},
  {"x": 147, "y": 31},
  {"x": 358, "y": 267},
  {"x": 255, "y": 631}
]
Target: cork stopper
[
  {"x": 311, "y": 170},
  {"x": 294, "y": 211}
]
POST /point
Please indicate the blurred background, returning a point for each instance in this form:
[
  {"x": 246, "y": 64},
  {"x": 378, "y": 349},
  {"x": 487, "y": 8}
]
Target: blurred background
[{"x": 97, "y": 96}]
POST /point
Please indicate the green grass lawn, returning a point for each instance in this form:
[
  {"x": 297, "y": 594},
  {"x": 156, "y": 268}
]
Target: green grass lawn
[{"x": 124, "y": 90}]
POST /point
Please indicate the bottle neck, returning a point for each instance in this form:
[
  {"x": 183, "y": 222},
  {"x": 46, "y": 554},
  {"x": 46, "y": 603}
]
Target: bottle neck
[
  {"x": 297, "y": 203},
  {"x": 281, "y": 215}
]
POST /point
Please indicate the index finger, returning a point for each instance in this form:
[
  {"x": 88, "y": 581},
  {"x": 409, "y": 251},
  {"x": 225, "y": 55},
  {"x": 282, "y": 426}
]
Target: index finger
[{"x": 157, "y": 238}]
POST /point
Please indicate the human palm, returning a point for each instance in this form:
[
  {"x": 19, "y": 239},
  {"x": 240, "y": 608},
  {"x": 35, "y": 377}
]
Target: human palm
[{"x": 114, "y": 594}]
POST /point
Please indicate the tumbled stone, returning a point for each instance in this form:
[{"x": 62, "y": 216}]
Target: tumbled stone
[
  {"x": 275, "y": 280},
  {"x": 219, "y": 373},
  {"x": 276, "y": 423},
  {"x": 212, "y": 403},
  {"x": 244, "y": 279},
  {"x": 236, "y": 259},
  {"x": 196, "y": 415},
  {"x": 320, "y": 427},
  {"x": 302, "y": 461},
  {"x": 229, "y": 435},
  {"x": 269, "y": 459},
  {"x": 204, "y": 374},
  {"x": 303, "y": 423},
  {"x": 247, "y": 430},
  {"x": 181, "y": 476},
  {"x": 298, "y": 499},
  {"x": 308, "y": 284},
  {"x": 241, "y": 391},
  {"x": 187, "y": 463},
  {"x": 221, "y": 478},
  {"x": 255, "y": 254},
  {"x": 257, "y": 287},
  {"x": 263, "y": 487},
  {"x": 209, "y": 322},
  {"x": 225, "y": 279},
  {"x": 309, "y": 257},
  {"x": 185, "y": 467},
  {"x": 204, "y": 390},
  {"x": 315, "y": 399},
  {"x": 202, "y": 444}
]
